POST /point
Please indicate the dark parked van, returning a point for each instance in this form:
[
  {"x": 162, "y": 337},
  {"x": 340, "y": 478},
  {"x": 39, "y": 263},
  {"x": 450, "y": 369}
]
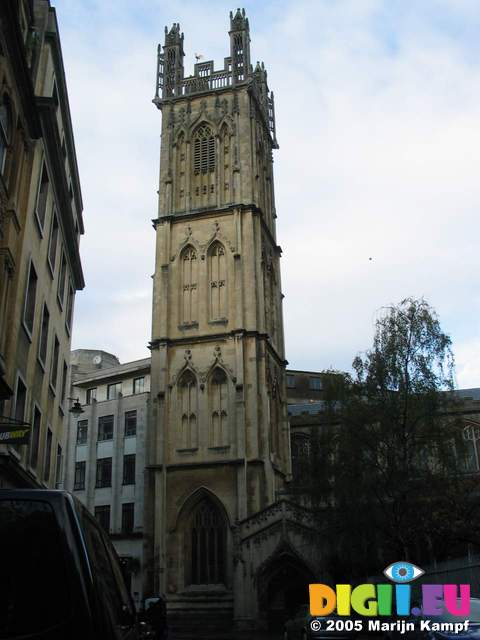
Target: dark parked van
[{"x": 59, "y": 574}]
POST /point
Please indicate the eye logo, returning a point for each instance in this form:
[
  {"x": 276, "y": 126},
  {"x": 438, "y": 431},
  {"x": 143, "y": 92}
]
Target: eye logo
[{"x": 402, "y": 572}]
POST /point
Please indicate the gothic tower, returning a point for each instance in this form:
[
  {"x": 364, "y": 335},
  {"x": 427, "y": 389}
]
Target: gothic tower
[{"x": 219, "y": 443}]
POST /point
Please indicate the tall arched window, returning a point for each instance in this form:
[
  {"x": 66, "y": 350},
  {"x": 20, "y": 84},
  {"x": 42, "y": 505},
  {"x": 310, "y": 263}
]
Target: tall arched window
[
  {"x": 5, "y": 130},
  {"x": 204, "y": 165},
  {"x": 207, "y": 545},
  {"x": 225, "y": 179},
  {"x": 300, "y": 445},
  {"x": 219, "y": 408},
  {"x": 218, "y": 281},
  {"x": 189, "y": 266},
  {"x": 187, "y": 391}
]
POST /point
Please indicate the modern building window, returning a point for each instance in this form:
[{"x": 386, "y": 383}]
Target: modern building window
[
  {"x": 35, "y": 437},
  {"x": 79, "y": 482},
  {"x": 42, "y": 195},
  {"x": 104, "y": 473},
  {"x": 128, "y": 513},
  {"x": 54, "y": 364},
  {"x": 59, "y": 466},
  {"x": 315, "y": 384},
  {"x": 138, "y": 385},
  {"x": 290, "y": 381},
  {"x": 129, "y": 469},
  {"x": 20, "y": 401},
  {"x": 130, "y": 423},
  {"x": 114, "y": 390},
  {"x": 52, "y": 243},
  {"x": 102, "y": 514},
  {"x": 82, "y": 431},
  {"x": 30, "y": 299},
  {"x": 105, "y": 428},
  {"x": 43, "y": 342},
  {"x": 91, "y": 395},
  {"x": 48, "y": 456},
  {"x": 61, "y": 280},
  {"x": 5, "y": 130}
]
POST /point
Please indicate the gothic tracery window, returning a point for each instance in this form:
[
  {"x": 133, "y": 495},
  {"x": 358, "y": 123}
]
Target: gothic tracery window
[
  {"x": 187, "y": 391},
  {"x": 218, "y": 281},
  {"x": 219, "y": 408},
  {"x": 189, "y": 266},
  {"x": 204, "y": 166},
  {"x": 207, "y": 545},
  {"x": 300, "y": 445},
  {"x": 180, "y": 173},
  {"x": 5, "y": 129}
]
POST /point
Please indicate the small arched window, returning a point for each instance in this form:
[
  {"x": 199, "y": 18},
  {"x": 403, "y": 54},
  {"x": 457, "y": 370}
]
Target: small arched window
[
  {"x": 218, "y": 281},
  {"x": 189, "y": 266},
  {"x": 207, "y": 545},
  {"x": 203, "y": 151},
  {"x": 219, "y": 408},
  {"x": 5, "y": 130},
  {"x": 187, "y": 390}
]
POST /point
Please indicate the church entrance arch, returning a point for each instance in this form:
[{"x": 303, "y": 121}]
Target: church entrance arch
[{"x": 282, "y": 588}]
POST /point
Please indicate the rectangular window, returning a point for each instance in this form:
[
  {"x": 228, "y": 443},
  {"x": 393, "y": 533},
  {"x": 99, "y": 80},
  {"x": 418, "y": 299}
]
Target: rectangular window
[
  {"x": 64, "y": 382},
  {"x": 54, "y": 364},
  {"x": 290, "y": 382},
  {"x": 30, "y": 298},
  {"x": 20, "y": 401},
  {"x": 48, "y": 456},
  {"x": 102, "y": 514},
  {"x": 128, "y": 517},
  {"x": 129, "y": 469},
  {"x": 61, "y": 280},
  {"x": 105, "y": 428},
  {"x": 139, "y": 385},
  {"x": 59, "y": 466},
  {"x": 42, "y": 194},
  {"x": 43, "y": 343},
  {"x": 79, "y": 482},
  {"x": 113, "y": 390},
  {"x": 315, "y": 384},
  {"x": 91, "y": 395},
  {"x": 53, "y": 242},
  {"x": 82, "y": 431},
  {"x": 104, "y": 473},
  {"x": 35, "y": 437},
  {"x": 68, "y": 315},
  {"x": 130, "y": 423}
]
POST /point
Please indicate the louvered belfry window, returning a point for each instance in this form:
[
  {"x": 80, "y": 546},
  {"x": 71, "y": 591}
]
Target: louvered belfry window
[{"x": 204, "y": 151}]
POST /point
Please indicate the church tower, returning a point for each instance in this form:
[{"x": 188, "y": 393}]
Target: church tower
[{"x": 218, "y": 449}]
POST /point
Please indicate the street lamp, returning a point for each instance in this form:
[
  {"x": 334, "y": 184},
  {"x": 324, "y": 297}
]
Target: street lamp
[{"x": 76, "y": 407}]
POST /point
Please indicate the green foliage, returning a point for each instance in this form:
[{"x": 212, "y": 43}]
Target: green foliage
[{"x": 385, "y": 480}]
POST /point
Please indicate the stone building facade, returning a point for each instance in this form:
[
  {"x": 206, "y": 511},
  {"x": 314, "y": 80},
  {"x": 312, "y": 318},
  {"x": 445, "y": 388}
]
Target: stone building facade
[
  {"x": 105, "y": 457},
  {"x": 40, "y": 229},
  {"x": 221, "y": 542}
]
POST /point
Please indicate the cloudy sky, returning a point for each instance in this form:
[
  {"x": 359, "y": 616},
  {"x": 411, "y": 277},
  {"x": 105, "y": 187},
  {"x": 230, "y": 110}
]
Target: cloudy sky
[{"x": 378, "y": 120}]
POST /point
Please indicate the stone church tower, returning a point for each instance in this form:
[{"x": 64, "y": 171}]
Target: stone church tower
[{"x": 219, "y": 449}]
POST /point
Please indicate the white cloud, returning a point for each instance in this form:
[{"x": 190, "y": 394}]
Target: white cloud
[{"x": 377, "y": 118}]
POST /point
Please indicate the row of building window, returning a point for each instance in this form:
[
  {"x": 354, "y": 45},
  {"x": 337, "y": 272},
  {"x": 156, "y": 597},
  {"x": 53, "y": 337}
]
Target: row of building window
[
  {"x": 29, "y": 321},
  {"x": 104, "y": 472},
  {"x": 102, "y": 514},
  {"x": 106, "y": 426},
  {"x": 315, "y": 384},
  {"x": 114, "y": 390},
  {"x": 19, "y": 415}
]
